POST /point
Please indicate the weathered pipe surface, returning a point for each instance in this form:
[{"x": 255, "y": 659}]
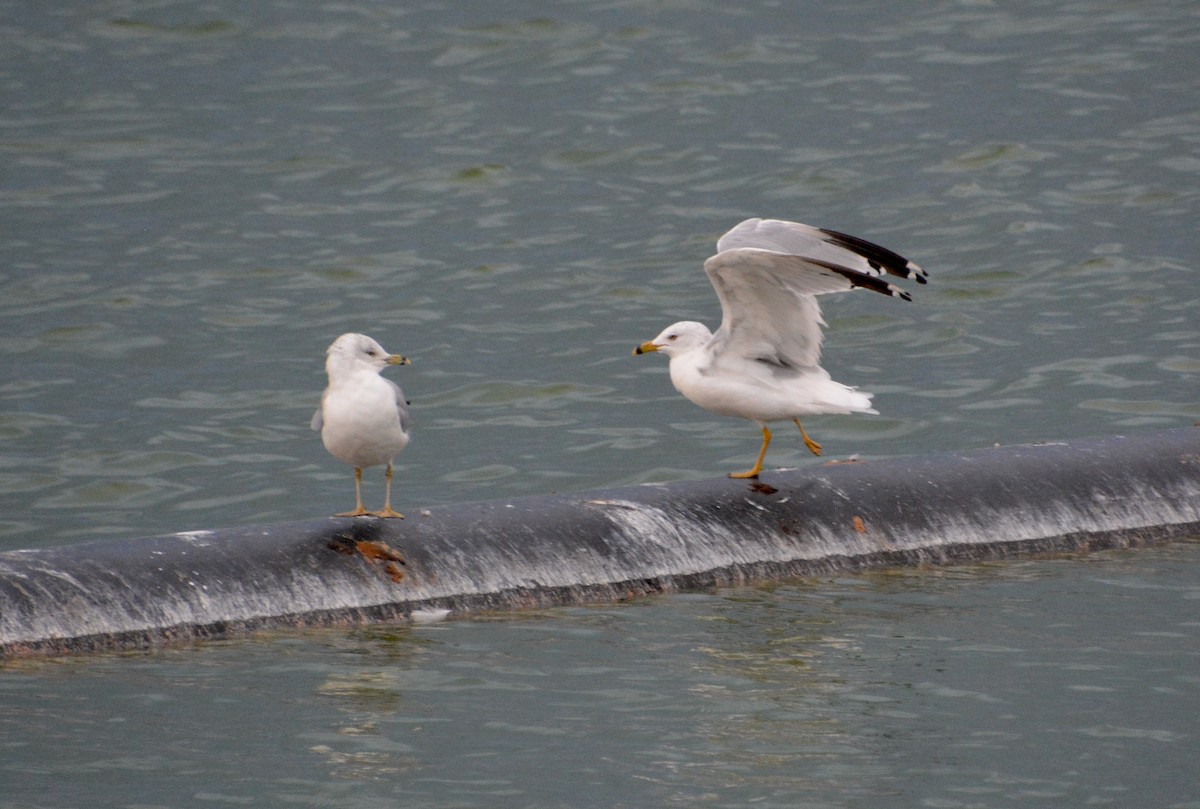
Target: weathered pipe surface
[{"x": 603, "y": 545}]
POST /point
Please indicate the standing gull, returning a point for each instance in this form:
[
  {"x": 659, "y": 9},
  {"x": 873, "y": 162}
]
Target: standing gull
[
  {"x": 363, "y": 418},
  {"x": 763, "y": 363}
]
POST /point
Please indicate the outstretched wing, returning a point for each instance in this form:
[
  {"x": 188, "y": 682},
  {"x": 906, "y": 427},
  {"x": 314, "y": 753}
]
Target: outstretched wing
[
  {"x": 769, "y": 306},
  {"x": 767, "y": 274},
  {"x": 829, "y": 246}
]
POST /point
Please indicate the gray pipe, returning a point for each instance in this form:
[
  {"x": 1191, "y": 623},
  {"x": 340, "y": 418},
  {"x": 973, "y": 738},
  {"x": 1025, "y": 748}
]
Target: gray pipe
[{"x": 603, "y": 545}]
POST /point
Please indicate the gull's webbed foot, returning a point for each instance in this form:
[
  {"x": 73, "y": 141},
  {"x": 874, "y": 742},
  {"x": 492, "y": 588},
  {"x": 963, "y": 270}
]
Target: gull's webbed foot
[{"x": 813, "y": 446}]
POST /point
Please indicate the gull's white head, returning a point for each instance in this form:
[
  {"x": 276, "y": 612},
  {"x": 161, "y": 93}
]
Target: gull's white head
[
  {"x": 678, "y": 338},
  {"x": 352, "y": 352}
]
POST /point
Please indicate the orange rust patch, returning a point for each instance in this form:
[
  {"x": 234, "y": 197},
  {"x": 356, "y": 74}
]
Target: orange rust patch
[
  {"x": 381, "y": 553},
  {"x": 394, "y": 572},
  {"x": 377, "y": 551},
  {"x": 374, "y": 552},
  {"x": 859, "y": 525}
]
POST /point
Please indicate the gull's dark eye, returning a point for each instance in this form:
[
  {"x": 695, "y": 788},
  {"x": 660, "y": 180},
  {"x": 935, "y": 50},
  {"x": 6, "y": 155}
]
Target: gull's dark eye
[
  {"x": 370, "y": 352},
  {"x": 672, "y": 336}
]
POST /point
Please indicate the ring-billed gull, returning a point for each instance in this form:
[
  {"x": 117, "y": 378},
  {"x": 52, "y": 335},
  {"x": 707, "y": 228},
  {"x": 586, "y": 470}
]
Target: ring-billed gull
[
  {"x": 763, "y": 363},
  {"x": 363, "y": 418}
]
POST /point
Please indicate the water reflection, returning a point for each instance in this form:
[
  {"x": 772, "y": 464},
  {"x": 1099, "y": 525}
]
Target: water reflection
[{"x": 818, "y": 692}]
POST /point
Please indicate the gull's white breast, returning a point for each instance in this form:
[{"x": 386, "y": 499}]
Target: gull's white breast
[{"x": 361, "y": 422}]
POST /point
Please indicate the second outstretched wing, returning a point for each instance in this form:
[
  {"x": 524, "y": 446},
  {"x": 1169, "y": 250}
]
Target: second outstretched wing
[
  {"x": 830, "y": 246},
  {"x": 767, "y": 274}
]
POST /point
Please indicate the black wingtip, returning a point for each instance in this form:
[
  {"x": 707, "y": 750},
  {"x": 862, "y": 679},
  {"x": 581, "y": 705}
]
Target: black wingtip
[
  {"x": 863, "y": 280},
  {"x": 878, "y": 258}
]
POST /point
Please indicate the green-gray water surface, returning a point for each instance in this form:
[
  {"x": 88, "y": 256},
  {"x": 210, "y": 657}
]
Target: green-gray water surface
[{"x": 196, "y": 198}]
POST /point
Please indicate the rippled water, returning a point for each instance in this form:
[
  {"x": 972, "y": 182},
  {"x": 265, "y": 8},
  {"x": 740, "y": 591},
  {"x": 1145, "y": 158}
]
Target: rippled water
[{"x": 197, "y": 197}]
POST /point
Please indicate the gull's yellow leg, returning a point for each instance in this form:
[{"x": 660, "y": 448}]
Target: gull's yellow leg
[
  {"x": 387, "y": 499},
  {"x": 359, "y": 511},
  {"x": 813, "y": 446},
  {"x": 762, "y": 453}
]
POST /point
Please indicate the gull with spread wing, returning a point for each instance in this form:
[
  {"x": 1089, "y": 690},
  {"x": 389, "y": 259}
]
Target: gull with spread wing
[{"x": 763, "y": 362}]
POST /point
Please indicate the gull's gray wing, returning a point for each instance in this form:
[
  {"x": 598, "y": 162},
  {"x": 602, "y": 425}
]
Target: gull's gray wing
[
  {"x": 767, "y": 274},
  {"x": 829, "y": 246},
  {"x": 318, "y": 420},
  {"x": 769, "y": 306},
  {"x": 401, "y": 405}
]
